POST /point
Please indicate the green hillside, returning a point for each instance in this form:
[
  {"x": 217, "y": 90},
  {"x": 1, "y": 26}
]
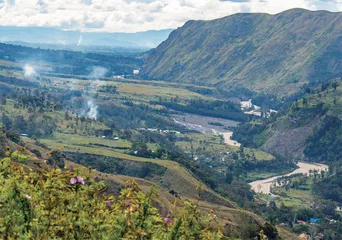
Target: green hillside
[
  {"x": 274, "y": 54},
  {"x": 311, "y": 129}
]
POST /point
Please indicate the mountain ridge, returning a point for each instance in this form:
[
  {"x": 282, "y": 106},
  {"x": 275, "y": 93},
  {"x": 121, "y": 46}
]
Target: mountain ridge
[
  {"x": 45, "y": 35},
  {"x": 270, "y": 52}
]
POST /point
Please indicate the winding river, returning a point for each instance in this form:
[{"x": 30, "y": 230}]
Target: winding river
[
  {"x": 264, "y": 186},
  {"x": 201, "y": 124}
]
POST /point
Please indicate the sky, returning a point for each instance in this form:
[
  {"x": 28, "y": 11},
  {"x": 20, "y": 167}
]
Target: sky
[{"x": 138, "y": 15}]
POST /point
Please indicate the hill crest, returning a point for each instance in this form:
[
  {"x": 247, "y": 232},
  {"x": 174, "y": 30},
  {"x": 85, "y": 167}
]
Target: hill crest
[{"x": 258, "y": 52}]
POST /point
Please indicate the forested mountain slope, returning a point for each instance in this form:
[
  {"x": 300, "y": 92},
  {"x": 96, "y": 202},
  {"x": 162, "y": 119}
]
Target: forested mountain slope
[
  {"x": 311, "y": 129},
  {"x": 259, "y": 52}
]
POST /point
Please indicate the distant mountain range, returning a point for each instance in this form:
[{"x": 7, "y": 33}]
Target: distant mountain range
[
  {"x": 52, "y": 36},
  {"x": 274, "y": 54}
]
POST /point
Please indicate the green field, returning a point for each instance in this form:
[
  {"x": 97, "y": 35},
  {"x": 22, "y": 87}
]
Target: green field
[
  {"x": 141, "y": 90},
  {"x": 78, "y": 140},
  {"x": 213, "y": 144},
  {"x": 296, "y": 198}
]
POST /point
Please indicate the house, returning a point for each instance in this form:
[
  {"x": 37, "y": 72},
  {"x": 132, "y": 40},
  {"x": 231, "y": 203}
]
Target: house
[{"x": 245, "y": 105}]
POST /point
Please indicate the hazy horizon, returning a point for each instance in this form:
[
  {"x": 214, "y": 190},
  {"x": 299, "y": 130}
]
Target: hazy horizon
[{"x": 131, "y": 16}]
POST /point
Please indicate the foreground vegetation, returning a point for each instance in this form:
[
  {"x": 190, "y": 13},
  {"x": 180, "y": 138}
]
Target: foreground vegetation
[{"x": 58, "y": 204}]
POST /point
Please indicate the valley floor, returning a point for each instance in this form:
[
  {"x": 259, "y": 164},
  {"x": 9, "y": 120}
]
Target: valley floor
[{"x": 264, "y": 186}]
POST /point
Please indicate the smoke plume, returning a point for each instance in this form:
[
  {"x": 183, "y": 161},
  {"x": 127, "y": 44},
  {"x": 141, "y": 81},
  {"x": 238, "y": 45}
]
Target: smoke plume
[
  {"x": 29, "y": 71},
  {"x": 92, "y": 110},
  {"x": 98, "y": 72},
  {"x": 80, "y": 40}
]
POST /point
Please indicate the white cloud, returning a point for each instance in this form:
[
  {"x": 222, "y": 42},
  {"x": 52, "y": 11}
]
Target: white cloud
[{"x": 138, "y": 15}]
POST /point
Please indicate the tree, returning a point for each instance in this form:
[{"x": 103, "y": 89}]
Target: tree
[
  {"x": 3, "y": 100},
  {"x": 37, "y": 153},
  {"x": 66, "y": 116},
  {"x": 20, "y": 123},
  {"x": 56, "y": 159},
  {"x": 6, "y": 121},
  {"x": 270, "y": 231},
  {"x": 229, "y": 178},
  {"x": 335, "y": 85},
  {"x": 242, "y": 152},
  {"x": 140, "y": 148},
  {"x": 14, "y": 136}
]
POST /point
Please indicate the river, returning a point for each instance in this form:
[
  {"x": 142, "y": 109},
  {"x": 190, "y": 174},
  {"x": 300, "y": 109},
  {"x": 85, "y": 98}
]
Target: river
[
  {"x": 202, "y": 124},
  {"x": 264, "y": 186}
]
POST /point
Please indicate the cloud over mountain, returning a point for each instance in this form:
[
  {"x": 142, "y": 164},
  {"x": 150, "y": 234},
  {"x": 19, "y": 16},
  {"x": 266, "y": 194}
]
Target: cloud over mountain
[{"x": 138, "y": 15}]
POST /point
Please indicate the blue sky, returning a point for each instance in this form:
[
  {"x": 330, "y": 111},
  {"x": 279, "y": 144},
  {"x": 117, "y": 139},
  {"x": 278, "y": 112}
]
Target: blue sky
[{"x": 138, "y": 15}]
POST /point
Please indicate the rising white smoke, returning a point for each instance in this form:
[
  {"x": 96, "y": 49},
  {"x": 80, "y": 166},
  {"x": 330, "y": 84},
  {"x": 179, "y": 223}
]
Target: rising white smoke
[
  {"x": 92, "y": 110},
  {"x": 29, "y": 71},
  {"x": 98, "y": 72},
  {"x": 80, "y": 40},
  {"x": 95, "y": 75}
]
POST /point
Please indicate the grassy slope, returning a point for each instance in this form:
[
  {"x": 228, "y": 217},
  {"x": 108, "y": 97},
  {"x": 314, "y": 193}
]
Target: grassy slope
[
  {"x": 176, "y": 177},
  {"x": 231, "y": 218},
  {"x": 260, "y": 52}
]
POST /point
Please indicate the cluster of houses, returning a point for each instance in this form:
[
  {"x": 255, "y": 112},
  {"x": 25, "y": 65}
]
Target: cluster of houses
[
  {"x": 119, "y": 77},
  {"x": 135, "y": 72},
  {"x": 159, "y": 130},
  {"x": 115, "y": 138},
  {"x": 249, "y": 108}
]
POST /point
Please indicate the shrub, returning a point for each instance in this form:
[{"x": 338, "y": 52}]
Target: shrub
[{"x": 58, "y": 204}]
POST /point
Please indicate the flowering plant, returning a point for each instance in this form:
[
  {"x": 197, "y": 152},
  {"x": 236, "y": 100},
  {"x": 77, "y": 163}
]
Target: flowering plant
[{"x": 47, "y": 205}]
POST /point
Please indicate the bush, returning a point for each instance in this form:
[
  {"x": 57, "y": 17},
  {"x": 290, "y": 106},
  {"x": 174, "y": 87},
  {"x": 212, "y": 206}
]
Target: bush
[
  {"x": 14, "y": 136},
  {"x": 71, "y": 205}
]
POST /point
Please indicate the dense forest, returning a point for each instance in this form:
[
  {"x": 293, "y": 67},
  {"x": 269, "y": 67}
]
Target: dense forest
[
  {"x": 325, "y": 143},
  {"x": 219, "y": 109}
]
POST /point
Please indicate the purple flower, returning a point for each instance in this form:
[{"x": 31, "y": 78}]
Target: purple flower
[
  {"x": 168, "y": 220},
  {"x": 80, "y": 180},
  {"x": 128, "y": 203},
  {"x": 109, "y": 203},
  {"x": 28, "y": 196},
  {"x": 73, "y": 181}
]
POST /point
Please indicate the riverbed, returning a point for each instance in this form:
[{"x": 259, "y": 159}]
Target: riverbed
[
  {"x": 264, "y": 186},
  {"x": 202, "y": 124}
]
